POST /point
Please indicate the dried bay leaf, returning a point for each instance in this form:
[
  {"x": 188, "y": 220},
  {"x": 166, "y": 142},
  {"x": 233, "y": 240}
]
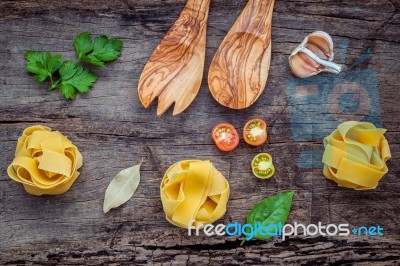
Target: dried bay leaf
[{"x": 121, "y": 188}]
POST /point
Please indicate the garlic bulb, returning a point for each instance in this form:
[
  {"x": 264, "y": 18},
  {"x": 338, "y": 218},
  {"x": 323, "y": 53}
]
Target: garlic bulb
[{"x": 313, "y": 56}]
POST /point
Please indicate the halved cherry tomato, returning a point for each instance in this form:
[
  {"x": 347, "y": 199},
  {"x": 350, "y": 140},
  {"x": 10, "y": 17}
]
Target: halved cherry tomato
[
  {"x": 255, "y": 132},
  {"x": 262, "y": 166},
  {"x": 225, "y": 137}
]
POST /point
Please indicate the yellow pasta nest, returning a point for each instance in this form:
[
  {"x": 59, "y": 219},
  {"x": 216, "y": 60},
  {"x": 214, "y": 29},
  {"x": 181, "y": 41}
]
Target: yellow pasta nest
[
  {"x": 45, "y": 162},
  {"x": 355, "y": 155},
  {"x": 195, "y": 191}
]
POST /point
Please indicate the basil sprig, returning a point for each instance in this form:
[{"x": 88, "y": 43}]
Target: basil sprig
[{"x": 271, "y": 211}]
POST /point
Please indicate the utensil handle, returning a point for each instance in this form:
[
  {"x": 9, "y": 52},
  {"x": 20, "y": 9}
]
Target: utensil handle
[
  {"x": 260, "y": 12},
  {"x": 198, "y": 5}
]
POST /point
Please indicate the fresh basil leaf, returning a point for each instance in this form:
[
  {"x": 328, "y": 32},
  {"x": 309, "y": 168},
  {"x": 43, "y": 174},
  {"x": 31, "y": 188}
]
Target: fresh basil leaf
[{"x": 273, "y": 210}]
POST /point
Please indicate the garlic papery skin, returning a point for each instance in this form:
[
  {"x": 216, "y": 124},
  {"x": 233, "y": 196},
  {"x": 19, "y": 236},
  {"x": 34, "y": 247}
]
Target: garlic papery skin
[{"x": 313, "y": 56}]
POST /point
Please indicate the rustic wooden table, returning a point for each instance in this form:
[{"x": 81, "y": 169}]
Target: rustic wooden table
[{"x": 113, "y": 132}]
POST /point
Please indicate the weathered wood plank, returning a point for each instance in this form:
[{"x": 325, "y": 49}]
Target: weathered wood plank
[{"x": 113, "y": 131}]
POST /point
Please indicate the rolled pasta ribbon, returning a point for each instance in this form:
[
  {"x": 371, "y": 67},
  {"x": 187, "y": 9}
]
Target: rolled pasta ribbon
[
  {"x": 355, "y": 155},
  {"x": 194, "y": 190},
  {"x": 46, "y": 162}
]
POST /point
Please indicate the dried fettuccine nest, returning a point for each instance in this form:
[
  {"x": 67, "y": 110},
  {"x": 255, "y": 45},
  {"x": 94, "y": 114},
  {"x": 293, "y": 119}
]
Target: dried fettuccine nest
[
  {"x": 46, "y": 162},
  {"x": 194, "y": 192},
  {"x": 355, "y": 155}
]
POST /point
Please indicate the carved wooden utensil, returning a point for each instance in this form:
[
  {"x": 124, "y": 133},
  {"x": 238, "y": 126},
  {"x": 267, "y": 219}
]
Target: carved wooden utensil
[
  {"x": 175, "y": 69},
  {"x": 239, "y": 70}
]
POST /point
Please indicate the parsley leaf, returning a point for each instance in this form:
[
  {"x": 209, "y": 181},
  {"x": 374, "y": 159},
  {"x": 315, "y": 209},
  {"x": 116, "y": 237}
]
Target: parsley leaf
[
  {"x": 67, "y": 91},
  {"x": 42, "y": 64},
  {"x": 103, "y": 49},
  {"x": 74, "y": 77},
  {"x": 83, "y": 44}
]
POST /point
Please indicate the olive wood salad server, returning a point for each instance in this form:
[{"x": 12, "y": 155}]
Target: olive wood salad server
[
  {"x": 175, "y": 69},
  {"x": 239, "y": 70}
]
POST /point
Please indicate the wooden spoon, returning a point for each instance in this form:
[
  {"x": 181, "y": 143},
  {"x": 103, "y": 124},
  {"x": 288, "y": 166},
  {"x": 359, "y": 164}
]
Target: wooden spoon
[
  {"x": 239, "y": 70},
  {"x": 175, "y": 69}
]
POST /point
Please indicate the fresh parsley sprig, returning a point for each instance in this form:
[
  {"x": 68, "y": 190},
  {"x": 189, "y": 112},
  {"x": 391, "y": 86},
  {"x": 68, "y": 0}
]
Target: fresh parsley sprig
[{"x": 70, "y": 76}]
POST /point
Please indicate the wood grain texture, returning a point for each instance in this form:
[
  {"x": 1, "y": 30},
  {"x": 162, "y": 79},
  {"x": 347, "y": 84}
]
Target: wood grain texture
[
  {"x": 113, "y": 131},
  {"x": 174, "y": 71},
  {"x": 239, "y": 70}
]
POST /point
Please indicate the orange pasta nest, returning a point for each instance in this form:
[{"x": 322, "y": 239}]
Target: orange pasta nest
[{"x": 46, "y": 162}]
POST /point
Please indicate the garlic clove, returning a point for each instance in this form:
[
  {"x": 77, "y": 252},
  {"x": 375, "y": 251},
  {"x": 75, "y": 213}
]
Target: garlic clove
[
  {"x": 313, "y": 56},
  {"x": 303, "y": 66},
  {"x": 321, "y": 44}
]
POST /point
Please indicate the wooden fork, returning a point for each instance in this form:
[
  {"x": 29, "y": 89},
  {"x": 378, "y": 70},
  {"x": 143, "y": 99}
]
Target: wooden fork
[{"x": 175, "y": 69}]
